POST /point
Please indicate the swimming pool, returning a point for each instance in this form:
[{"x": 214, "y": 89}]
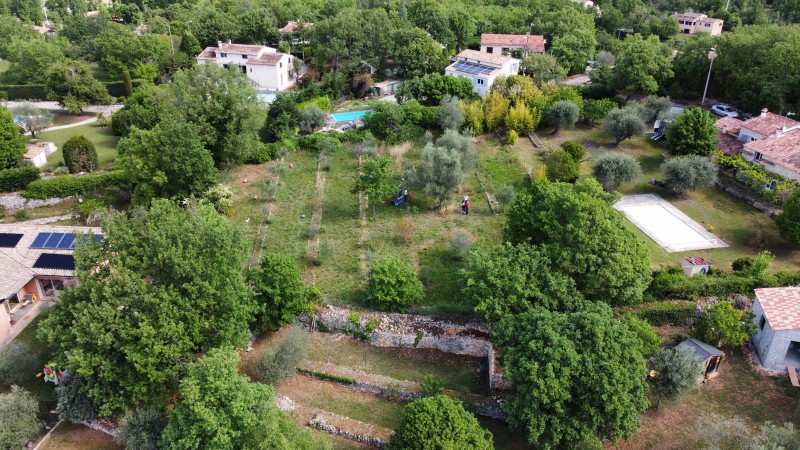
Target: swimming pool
[{"x": 348, "y": 116}]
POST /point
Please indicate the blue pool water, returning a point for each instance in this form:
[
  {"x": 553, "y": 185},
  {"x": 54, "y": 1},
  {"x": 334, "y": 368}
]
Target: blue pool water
[{"x": 348, "y": 116}]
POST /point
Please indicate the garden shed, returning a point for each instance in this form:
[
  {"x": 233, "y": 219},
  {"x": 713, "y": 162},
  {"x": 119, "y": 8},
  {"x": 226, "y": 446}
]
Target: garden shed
[
  {"x": 777, "y": 318},
  {"x": 709, "y": 357}
]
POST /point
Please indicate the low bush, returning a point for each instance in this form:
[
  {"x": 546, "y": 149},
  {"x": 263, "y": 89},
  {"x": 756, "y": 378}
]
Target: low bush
[
  {"x": 79, "y": 185},
  {"x": 393, "y": 285},
  {"x": 18, "y": 178},
  {"x": 458, "y": 244},
  {"x": 680, "y": 313},
  {"x": 281, "y": 364},
  {"x": 326, "y": 376},
  {"x": 17, "y": 364},
  {"x": 141, "y": 429},
  {"x": 263, "y": 153}
]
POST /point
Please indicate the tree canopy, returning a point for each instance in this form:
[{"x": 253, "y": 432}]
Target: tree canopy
[
  {"x": 439, "y": 422},
  {"x": 722, "y": 324},
  {"x": 577, "y": 378},
  {"x": 676, "y": 373},
  {"x": 613, "y": 169},
  {"x": 278, "y": 292},
  {"x": 789, "y": 220},
  {"x": 171, "y": 285},
  {"x": 692, "y": 133},
  {"x": 393, "y": 285},
  {"x": 377, "y": 180},
  {"x": 12, "y": 143},
  {"x": 18, "y": 411},
  {"x": 220, "y": 409},
  {"x": 687, "y": 173},
  {"x": 584, "y": 237},
  {"x": 642, "y": 65}
]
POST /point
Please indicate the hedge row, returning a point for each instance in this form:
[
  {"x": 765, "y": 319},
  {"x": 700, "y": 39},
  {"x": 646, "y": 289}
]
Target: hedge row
[
  {"x": 15, "y": 179},
  {"x": 326, "y": 376},
  {"x": 674, "y": 284},
  {"x": 680, "y": 313},
  {"x": 39, "y": 91},
  {"x": 65, "y": 186}
]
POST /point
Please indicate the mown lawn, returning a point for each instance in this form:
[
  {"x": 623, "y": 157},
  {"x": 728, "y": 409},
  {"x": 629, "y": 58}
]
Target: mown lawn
[
  {"x": 69, "y": 436},
  {"x": 102, "y": 137},
  {"x": 746, "y": 229}
]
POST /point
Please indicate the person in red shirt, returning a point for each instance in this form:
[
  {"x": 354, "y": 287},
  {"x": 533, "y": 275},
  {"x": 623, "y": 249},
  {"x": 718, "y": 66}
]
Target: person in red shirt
[{"x": 466, "y": 207}]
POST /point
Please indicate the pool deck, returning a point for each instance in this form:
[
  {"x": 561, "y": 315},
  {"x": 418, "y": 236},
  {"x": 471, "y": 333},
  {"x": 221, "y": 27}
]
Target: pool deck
[{"x": 671, "y": 243}]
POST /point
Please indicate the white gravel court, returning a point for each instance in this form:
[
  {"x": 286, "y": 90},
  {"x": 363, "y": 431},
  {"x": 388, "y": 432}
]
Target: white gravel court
[{"x": 666, "y": 224}]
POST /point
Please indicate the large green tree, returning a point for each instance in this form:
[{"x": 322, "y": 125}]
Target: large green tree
[
  {"x": 689, "y": 172},
  {"x": 789, "y": 220},
  {"x": 278, "y": 292},
  {"x": 584, "y": 237},
  {"x": 613, "y": 169},
  {"x": 393, "y": 285},
  {"x": 439, "y": 422},
  {"x": 642, "y": 65},
  {"x": 439, "y": 172},
  {"x": 512, "y": 279},
  {"x": 170, "y": 285},
  {"x": 73, "y": 86},
  {"x": 692, "y": 133},
  {"x": 417, "y": 53},
  {"x": 30, "y": 59},
  {"x": 220, "y": 409},
  {"x": 577, "y": 378},
  {"x": 168, "y": 161},
  {"x": 12, "y": 143},
  {"x": 376, "y": 180},
  {"x": 222, "y": 104},
  {"x": 542, "y": 68}
]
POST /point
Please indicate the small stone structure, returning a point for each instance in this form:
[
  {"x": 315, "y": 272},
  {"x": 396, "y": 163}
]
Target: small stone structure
[
  {"x": 694, "y": 265},
  {"x": 777, "y": 319},
  {"x": 319, "y": 422}
]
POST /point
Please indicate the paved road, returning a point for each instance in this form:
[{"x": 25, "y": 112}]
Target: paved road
[{"x": 105, "y": 109}]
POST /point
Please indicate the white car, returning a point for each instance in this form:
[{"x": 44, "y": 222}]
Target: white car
[{"x": 724, "y": 111}]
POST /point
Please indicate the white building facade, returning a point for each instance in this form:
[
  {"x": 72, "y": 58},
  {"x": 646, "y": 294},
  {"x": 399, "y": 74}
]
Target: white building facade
[
  {"x": 482, "y": 68},
  {"x": 777, "y": 319},
  {"x": 264, "y": 66}
]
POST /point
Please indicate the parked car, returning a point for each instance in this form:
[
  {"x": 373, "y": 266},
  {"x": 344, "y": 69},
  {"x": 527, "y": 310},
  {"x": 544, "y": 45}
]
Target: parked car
[{"x": 724, "y": 111}]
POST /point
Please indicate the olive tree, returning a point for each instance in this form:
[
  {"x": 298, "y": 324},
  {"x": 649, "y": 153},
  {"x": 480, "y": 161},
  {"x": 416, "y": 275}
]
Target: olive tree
[
  {"x": 687, "y": 173},
  {"x": 675, "y": 373},
  {"x": 438, "y": 173},
  {"x": 613, "y": 169},
  {"x": 624, "y": 123},
  {"x": 18, "y": 411},
  {"x": 562, "y": 114}
]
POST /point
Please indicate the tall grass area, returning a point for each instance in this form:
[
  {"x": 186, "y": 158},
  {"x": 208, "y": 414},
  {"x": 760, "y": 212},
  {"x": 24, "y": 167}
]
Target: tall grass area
[{"x": 102, "y": 137}]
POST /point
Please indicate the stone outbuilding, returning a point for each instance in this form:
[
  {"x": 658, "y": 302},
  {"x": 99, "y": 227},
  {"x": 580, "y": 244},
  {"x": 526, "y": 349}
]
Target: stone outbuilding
[
  {"x": 777, "y": 319},
  {"x": 707, "y": 356},
  {"x": 693, "y": 265}
]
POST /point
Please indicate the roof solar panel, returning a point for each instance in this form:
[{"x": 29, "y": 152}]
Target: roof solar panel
[
  {"x": 41, "y": 238},
  {"x": 9, "y": 240},
  {"x": 55, "y": 238},
  {"x": 67, "y": 242},
  {"x": 55, "y": 261}
]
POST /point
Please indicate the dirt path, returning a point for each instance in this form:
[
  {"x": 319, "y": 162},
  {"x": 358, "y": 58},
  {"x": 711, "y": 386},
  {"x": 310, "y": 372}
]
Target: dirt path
[{"x": 313, "y": 246}]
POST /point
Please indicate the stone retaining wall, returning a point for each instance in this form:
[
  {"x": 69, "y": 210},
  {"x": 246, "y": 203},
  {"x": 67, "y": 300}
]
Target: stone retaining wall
[
  {"x": 742, "y": 192},
  {"x": 318, "y": 422}
]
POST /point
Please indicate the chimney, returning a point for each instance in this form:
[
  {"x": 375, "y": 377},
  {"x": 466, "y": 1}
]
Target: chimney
[
  {"x": 725, "y": 129},
  {"x": 779, "y": 131},
  {"x": 764, "y": 112}
]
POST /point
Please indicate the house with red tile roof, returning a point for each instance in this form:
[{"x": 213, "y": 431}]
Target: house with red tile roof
[
  {"x": 777, "y": 319},
  {"x": 505, "y": 43},
  {"x": 293, "y": 26},
  {"x": 769, "y": 139},
  {"x": 266, "y": 68}
]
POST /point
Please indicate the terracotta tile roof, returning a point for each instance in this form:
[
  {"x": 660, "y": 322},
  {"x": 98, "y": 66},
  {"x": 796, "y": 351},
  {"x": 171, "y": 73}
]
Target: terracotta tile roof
[
  {"x": 781, "y": 306},
  {"x": 491, "y": 58},
  {"x": 16, "y": 263},
  {"x": 240, "y": 49},
  {"x": 696, "y": 260},
  {"x": 34, "y": 149},
  {"x": 731, "y": 124},
  {"x": 784, "y": 150},
  {"x": 530, "y": 42},
  {"x": 292, "y": 25},
  {"x": 208, "y": 53},
  {"x": 728, "y": 135},
  {"x": 769, "y": 123},
  {"x": 268, "y": 59}
]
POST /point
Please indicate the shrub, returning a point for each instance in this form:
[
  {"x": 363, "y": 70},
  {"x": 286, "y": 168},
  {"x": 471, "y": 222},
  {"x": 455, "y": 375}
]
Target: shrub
[
  {"x": 406, "y": 230},
  {"x": 458, "y": 244},
  {"x": 312, "y": 118},
  {"x": 393, "y": 285},
  {"x": 17, "y": 178},
  {"x": 141, "y": 429},
  {"x": 690, "y": 172},
  {"x": 649, "y": 338},
  {"x": 561, "y": 167},
  {"x": 505, "y": 195},
  {"x": 282, "y": 364},
  {"x": 575, "y": 149},
  {"x": 17, "y": 364},
  {"x": 324, "y": 162},
  {"x": 439, "y": 422},
  {"x": 80, "y": 155},
  {"x": 74, "y": 185},
  {"x": 262, "y": 153},
  {"x": 431, "y": 386},
  {"x": 613, "y": 169},
  {"x": 722, "y": 324},
  {"x": 511, "y": 137},
  {"x": 679, "y": 313},
  {"x": 18, "y": 411},
  {"x": 73, "y": 404},
  {"x": 520, "y": 119}
]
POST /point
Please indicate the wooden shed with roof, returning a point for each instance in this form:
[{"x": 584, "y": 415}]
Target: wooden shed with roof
[{"x": 707, "y": 356}]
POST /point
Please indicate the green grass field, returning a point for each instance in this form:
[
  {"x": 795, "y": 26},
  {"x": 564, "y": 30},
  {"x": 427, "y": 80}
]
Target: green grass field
[{"x": 102, "y": 137}]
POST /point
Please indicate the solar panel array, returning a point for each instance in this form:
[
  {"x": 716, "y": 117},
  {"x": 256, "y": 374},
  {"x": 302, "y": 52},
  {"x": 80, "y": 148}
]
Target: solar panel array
[
  {"x": 58, "y": 241},
  {"x": 9, "y": 240},
  {"x": 55, "y": 261},
  {"x": 474, "y": 69}
]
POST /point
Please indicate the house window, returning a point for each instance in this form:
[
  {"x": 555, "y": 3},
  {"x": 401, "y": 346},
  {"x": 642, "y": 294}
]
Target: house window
[
  {"x": 762, "y": 322},
  {"x": 280, "y": 65},
  {"x": 223, "y": 55},
  {"x": 251, "y": 70},
  {"x": 708, "y": 24},
  {"x": 759, "y": 156},
  {"x": 505, "y": 50},
  {"x": 489, "y": 49},
  {"x": 244, "y": 56},
  {"x": 480, "y": 81}
]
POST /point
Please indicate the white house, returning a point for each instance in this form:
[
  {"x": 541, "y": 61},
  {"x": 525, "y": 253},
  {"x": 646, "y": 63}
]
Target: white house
[
  {"x": 693, "y": 265},
  {"x": 692, "y": 22},
  {"x": 777, "y": 319},
  {"x": 505, "y": 43},
  {"x": 264, "y": 66},
  {"x": 37, "y": 152},
  {"x": 482, "y": 68}
]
